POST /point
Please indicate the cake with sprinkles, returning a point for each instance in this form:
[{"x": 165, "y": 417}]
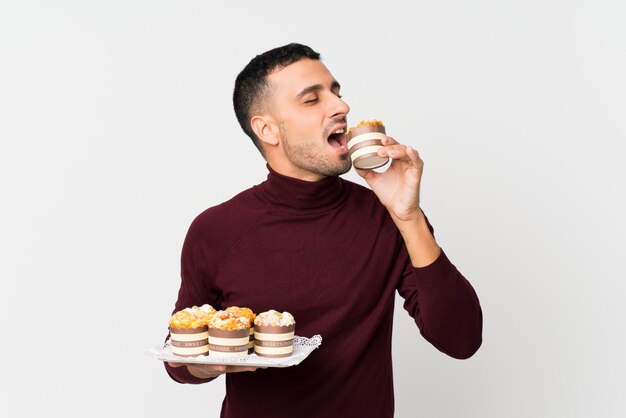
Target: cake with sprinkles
[
  {"x": 229, "y": 334},
  {"x": 189, "y": 331}
]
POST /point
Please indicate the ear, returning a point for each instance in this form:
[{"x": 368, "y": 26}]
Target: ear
[{"x": 265, "y": 129}]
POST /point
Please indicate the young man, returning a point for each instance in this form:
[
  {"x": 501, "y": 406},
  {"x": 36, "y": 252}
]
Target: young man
[{"x": 329, "y": 251}]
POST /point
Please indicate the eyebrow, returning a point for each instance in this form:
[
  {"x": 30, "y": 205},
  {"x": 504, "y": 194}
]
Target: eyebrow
[{"x": 316, "y": 87}]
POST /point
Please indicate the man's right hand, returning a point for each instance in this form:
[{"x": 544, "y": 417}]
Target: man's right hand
[{"x": 209, "y": 371}]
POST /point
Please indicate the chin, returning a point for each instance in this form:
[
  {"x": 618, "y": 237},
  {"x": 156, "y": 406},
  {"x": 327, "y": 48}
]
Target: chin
[
  {"x": 346, "y": 168},
  {"x": 309, "y": 158},
  {"x": 328, "y": 169},
  {"x": 342, "y": 168}
]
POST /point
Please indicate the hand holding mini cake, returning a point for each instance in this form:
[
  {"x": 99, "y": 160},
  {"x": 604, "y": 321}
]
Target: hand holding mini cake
[
  {"x": 189, "y": 331},
  {"x": 364, "y": 140},
  {"x": 229, "y": 334},
  {"x": 273, "y": 333}
]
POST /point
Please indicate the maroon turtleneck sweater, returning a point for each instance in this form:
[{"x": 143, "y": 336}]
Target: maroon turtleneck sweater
[{"x": 329, "y": 253}]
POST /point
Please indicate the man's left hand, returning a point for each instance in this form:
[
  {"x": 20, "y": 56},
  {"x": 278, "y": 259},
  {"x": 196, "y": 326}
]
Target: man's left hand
[{"x": 398, "y": 188}]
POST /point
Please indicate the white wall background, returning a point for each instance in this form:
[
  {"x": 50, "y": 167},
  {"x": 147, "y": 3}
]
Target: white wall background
[{"x": 116, "y": 129}]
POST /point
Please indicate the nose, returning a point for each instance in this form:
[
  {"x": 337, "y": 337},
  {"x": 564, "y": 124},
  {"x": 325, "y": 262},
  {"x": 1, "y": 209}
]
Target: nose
[{"x": 339, "y": 107}]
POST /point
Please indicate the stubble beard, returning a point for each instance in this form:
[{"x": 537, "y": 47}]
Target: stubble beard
[{"x": 310, "y": 157}]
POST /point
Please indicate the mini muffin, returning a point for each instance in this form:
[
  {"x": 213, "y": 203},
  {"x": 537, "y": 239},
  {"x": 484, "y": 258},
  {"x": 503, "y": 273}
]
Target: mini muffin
[
  {"x": 273, "y": 334},
  {"x": 246, "y": 313},
  {"x": 189, "y": 331},
  {"x": 364, "y": 140},
  {"x": 229, "y": 334}
]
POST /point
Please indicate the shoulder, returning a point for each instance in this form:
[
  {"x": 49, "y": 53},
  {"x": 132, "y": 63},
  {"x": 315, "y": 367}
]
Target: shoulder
[{"x": 222, "y": 222}]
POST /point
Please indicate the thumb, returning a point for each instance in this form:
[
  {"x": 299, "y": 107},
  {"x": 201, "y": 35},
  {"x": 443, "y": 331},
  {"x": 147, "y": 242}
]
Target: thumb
[
  {"x": 169, "y": 363},
  {"x": 368, "y": 175}
]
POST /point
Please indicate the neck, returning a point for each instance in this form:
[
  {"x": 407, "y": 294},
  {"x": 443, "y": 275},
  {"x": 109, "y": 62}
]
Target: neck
[
  {"x": 290, "y": 170},
  {"x": 288, "y": 192}
]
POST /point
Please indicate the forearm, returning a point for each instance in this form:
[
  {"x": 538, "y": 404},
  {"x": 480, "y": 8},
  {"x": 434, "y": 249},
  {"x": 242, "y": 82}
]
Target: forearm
[
  {"x": 419, "y": 241},
  {"x": 445, "y": 307}
]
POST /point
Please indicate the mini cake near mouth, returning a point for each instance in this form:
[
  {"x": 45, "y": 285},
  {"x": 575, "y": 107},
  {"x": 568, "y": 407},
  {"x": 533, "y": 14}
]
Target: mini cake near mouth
[
  {"x": 229, "y": 335},
  {"x": 364, "y": 140},
  {"x": 274, "y": 332},
  {"x": 189, "y": 331}
]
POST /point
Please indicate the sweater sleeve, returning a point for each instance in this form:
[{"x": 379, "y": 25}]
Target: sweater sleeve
[
  {"x": 444, "y": 305},
  {"x": 196, "y": 288}
]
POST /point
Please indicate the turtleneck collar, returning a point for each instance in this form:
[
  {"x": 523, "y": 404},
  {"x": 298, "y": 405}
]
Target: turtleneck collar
[{"x": 292, "y": 193}]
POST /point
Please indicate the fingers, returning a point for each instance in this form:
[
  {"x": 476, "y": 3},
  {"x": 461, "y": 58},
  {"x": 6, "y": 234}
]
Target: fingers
[
  {"x": 207, "y": 371},
  {"x": 414, "y": 157},
  {"x": 389, "y": 141},
  {"x": 238, "y": 369},
  {"x": 394, "y": 150},
  {"x": 391, "y": 148}
]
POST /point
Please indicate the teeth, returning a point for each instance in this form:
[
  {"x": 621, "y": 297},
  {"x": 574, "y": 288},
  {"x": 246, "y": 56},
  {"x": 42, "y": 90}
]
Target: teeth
[{"x": 339, "y": 131}]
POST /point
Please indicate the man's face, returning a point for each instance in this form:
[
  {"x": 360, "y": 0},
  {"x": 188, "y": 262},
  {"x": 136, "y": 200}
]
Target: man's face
[{"x": 307, "y": 106}]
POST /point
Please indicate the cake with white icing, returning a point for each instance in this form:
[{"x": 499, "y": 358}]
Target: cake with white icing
[{"x": 273, "y": 334}]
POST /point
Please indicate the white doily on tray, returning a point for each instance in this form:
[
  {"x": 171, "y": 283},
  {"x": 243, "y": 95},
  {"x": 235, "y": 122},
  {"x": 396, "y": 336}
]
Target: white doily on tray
[{"x": 314, "y": 341}]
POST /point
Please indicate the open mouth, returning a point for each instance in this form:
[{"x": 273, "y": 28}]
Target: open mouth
[{"x": 337, "y": 140}]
